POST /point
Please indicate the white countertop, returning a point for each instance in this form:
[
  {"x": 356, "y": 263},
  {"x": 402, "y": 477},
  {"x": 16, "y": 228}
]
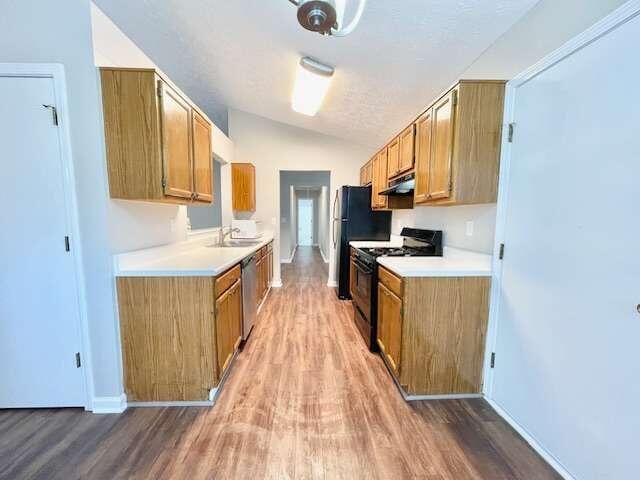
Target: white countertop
[
  {"x": 395, "y": 241},
  {"x": 453, "y": 263},
  {"x": 191, "y": 258}
]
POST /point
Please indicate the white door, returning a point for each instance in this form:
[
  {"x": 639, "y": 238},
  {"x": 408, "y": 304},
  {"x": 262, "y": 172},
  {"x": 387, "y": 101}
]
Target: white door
[
  {"x": 567, "y": 356},
  {"x": 39, "y": 312},
  {"x": 305, "y": 221}
]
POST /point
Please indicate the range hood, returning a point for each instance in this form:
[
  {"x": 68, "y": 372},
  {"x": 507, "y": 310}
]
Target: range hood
[{"x": 400, "y": 186}]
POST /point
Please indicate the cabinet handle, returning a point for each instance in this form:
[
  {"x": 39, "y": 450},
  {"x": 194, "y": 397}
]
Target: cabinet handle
[{"x": 638, "y": 307}]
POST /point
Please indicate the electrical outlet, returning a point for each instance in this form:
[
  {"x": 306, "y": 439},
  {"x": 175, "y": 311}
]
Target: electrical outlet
[{"x": 469, "y": 229}]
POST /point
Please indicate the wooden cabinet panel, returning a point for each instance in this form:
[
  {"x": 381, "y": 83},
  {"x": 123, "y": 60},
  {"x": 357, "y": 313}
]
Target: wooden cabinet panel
[
  {"x": 391, "y": 281},
  {"x": 353, "y": 276},
  {"x": 424, "y": 127},
  {"x": 393, "y": 158},
  {"x": 202, "y": 159},
  {"x": 366, "y": 173},
  {"x": 390, "y": 327},
  {"x": 405, "y": 162},
  {"x": 243, "y": 187},
  {"x": 228, "y": 324},
  {"x": 224, "y": 281},
  {"x": 381, "y": 179},
  {"x": 443, "y": 128},
  {"x": 158, "y": 144},
  {"x": 167, "y": 333},
  {"x": 175, "y": 118},
  {"x": 444, "y": 333}
]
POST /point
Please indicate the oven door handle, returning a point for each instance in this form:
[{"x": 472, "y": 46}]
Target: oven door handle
[{"x": 362, "y": 267}]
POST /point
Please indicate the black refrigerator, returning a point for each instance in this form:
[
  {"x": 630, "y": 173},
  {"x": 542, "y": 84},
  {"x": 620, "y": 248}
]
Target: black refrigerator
[{"x": 353, "y": 219}]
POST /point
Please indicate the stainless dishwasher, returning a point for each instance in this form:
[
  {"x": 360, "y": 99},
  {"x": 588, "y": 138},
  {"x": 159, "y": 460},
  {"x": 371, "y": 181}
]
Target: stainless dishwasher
[{"x": 249, "y": 295}]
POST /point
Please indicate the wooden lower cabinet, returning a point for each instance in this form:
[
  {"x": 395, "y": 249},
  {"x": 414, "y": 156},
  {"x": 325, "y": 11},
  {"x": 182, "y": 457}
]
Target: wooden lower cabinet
[
  {"x": 178, "y": 334},
  {"x": 390, "y": 326},
  {"x": 264, "y": 271},
  {"x": 228, "y": 324},
  {"x": 432, "y": 334}
]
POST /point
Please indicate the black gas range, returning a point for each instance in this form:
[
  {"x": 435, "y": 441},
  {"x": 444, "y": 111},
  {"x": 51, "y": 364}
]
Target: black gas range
[{"x": 364, "y": 275}]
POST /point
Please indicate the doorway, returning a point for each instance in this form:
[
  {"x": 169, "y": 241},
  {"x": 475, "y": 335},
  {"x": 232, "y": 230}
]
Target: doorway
[
  {"x": 40, "y": 334},
  {"x": 305, "y": 222}
]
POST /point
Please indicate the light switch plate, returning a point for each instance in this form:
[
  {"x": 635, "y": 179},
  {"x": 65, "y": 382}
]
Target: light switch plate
[{"x": 469, "y": 229}]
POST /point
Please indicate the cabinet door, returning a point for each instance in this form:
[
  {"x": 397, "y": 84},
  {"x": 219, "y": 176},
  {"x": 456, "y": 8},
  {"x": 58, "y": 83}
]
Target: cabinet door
[
  {"x": 424, "y": 127},
  {"x": 390, "y": 326},
  {"x": 353, "y": 276},
  {"x": 228, "y": 324},
  {"x": 393, "y": 157},
  {"x": 243, "y": 187},
  {"x": 382, "y": 179},
  {"x": 259, "y": 270},
  {"x": 406, "y": 149},
  {"x": 175, "y": 116},
  {"x": 375, "y": 169},
  {"x": 202, "y": 159},
  {"x": 443, "y": 127},
  {"x": 363, "y": 175}
]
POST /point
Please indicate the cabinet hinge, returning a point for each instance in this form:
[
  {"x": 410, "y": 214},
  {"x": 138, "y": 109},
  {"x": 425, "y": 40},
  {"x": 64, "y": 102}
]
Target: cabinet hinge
[
  {"x": 493, "y": 359},
  {"x": 54, "y": 113},
  {"x": 159, "y": 88},
  {"x": 450, "y": 186},
  {"x": 164, "y": 182},
  {"x": 454, "y": 98},
  {"x": 78, "y": 360},
  {"x": 67, "y": 244},
  {"x": 501, "y": 253},
  {"x": 510, "y": 136}
]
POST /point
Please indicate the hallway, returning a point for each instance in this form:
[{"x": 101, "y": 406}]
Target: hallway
[{"x": 304, "y": 400}]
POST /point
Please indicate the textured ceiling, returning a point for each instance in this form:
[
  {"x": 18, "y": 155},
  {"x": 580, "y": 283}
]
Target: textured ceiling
[{"x": 243, "y": 53}]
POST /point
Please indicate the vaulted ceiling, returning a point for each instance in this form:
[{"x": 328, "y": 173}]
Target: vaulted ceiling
[{"x": 243, "y": 54}]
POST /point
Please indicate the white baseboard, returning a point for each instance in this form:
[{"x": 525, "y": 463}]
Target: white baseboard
[
  {"x": 332, "y": 283},
  {"x": 101, "y": 405},
  {"x": 452, "y": 396},
  {"x": 276, "y": 283},
  {"x": 196, "y": 403},
  {"x": 323, "y": 257},
  {"x": 550, "y": 459},
  {"x": 290, "y": 259}
]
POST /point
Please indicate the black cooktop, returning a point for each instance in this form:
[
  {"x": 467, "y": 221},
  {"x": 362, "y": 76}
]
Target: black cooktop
[
  {"x": 416, "y": 243},
  {"x": 399, "y": 252}
]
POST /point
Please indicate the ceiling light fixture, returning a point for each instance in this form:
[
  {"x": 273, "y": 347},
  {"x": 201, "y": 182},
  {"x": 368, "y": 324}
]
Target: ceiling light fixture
[
  {"x": 327, "y": 16},
  {"x": 312, "y": 82}
]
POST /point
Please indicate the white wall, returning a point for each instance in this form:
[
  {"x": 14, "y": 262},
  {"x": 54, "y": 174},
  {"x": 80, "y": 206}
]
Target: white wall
[
  {"x": 60, "y": 32},
  {"x": 323, "y": 230},
  {"x": 273, "y": 146}
]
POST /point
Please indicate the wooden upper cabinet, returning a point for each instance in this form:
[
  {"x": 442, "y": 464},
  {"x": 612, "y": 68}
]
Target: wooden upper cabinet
[
  {"x": 202, "y": 159},
  {"x": 440, "y": 182},
  {"x": 393, "y": 158},
  {"x": 380, "y": 179},
  {"x": 424, "y": 128},
  {"x": 407, "y": 141},
  {"x": 155, "y": 139},
  {"x": 243, "y": 187},
  {"x": 366, "y": 173},
  {"x": 458, "y": 145},
  {"x": 175, "y": 119}
]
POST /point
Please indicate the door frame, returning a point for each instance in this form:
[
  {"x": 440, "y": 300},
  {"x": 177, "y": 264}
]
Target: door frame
[
  {"x": 618, "y": 17},
  {"x": 313, "y": 220},
  {"x": 56, "y": 73}
]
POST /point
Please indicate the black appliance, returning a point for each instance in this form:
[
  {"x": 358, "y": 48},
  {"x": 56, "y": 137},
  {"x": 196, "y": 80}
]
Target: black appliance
[
  {"x": 404, "y": 185},
  {"x": 416, "y": 243},
  {"x": 353, "y": 220}
]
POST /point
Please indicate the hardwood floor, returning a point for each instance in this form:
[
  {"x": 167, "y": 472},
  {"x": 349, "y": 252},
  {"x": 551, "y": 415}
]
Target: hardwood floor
[{"x": 305, "y": 400}]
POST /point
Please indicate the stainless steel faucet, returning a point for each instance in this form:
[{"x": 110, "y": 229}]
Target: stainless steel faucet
[{"x": 224, "y": 235}]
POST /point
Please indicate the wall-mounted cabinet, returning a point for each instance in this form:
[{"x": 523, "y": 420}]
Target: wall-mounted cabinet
[
  {"x": 458, "y": 145},
  {"x": 454, "y": 148},
  {"x": 158, "y": 144},
  {"x": 366, "y": 173},
  {"x": 243, "y": 187}
]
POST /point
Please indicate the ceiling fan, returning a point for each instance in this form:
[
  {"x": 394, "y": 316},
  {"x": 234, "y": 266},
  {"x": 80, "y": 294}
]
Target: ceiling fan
[{"x": 327, "y": 16}]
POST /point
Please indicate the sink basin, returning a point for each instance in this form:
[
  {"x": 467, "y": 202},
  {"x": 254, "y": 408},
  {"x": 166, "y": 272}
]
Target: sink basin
[{"x": 240, "y": 243}]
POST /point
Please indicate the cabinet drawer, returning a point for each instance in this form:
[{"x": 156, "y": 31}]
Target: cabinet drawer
[
  {"x": 391, "y": 281},
  {"x": 224, "y": 281}
]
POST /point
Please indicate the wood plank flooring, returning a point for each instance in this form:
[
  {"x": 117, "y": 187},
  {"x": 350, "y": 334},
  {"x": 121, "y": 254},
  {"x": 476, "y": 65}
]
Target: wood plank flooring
[{"x": 305, "y": 400}]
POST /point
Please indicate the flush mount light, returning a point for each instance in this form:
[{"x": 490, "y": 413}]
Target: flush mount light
[{"x": 312, "y": 82}]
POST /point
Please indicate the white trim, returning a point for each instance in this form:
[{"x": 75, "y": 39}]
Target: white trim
[
  {"x": 621, "y": 15},
  {"x": 56, "y": 72},
  {"x": 194, "y": 403},
  {"x": 452, "y": 396},
  {"x": 290, "y": 259},
  {"x": 322, "y": 255},
  {"x": 332, "y": 283},
  {"x": 550, "y": 459},
  {"x": 101, "y": 405},
  {"x": 276, "y": 284}
]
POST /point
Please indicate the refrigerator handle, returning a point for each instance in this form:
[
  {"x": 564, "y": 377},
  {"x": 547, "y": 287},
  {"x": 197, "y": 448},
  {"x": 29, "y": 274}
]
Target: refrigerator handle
[{"x": 335, "y": 218}]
